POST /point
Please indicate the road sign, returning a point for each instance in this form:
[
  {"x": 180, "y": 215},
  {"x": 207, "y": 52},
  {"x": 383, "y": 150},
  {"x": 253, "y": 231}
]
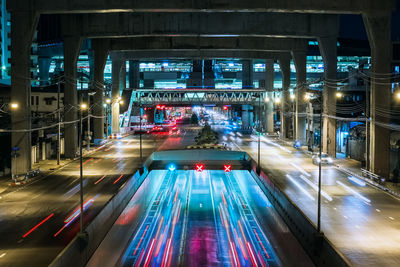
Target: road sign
[
  {"x": 227, "y": 168},
  {"x": 199, "y": 167},
  {"x": 15, "y": 148}
]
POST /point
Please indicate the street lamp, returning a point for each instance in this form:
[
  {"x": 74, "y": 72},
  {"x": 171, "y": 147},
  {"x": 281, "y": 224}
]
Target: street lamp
[
  {"x": 398, "y": 95},
  {"x": 339, "y": 94},
  {"x": 83, "y": 106},
  {"x": 14, "y": 106},
  {"x": 308, "y": 96}
]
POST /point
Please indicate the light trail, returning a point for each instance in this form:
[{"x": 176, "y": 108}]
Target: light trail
[
  {"x": 300, "y": 169},
  {"x": 357, "y": 181},
  {"x": 37, "y": 225},
  {"x": 300, "y": 187},
  {"x": 354, "y": 192},
  {"x": 315, "y": 187}
]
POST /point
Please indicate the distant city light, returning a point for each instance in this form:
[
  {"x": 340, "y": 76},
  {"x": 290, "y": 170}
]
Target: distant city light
[
  {"x": 83, "y": 106},
  {"x": 277, "y": 100},
  {"x": 292, "y": 96}
]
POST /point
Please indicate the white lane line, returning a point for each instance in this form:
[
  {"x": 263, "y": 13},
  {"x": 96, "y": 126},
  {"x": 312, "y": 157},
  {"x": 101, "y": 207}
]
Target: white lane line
[
  {"x": 300, "y": 187},
  {"x": 378, "y": 210},
  {"x": 315, "y": 187},
  {"x": 354, "y": 192},
  {"x": 345, "y": 216},
  {"x": 300, "y": 169},
  {"x": 391, "y": 218},
  {"x": 2, "y": 255}
]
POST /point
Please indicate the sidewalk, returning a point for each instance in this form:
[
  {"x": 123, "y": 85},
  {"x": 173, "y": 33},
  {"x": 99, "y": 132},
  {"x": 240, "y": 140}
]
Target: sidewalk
[
  {"x": 353, "y": 168},
  {"x": 45, "y": 167}
]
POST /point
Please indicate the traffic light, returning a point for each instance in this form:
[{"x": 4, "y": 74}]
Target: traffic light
[
  {"x": 199, "y": 167},
  {"x": 227, "y": 168}
]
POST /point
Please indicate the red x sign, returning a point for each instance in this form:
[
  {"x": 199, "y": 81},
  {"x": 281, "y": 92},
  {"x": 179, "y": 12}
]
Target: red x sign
[
  {"x": 227, "y": 168},
  {"x": 199, "y": 167}
]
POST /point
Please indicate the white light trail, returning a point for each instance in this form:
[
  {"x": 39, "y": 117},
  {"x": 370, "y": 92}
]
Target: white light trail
[
  {"x": 354, "y": 192},
  {"x": 357, "y": 181},
  {"x": 300, "y": 169},
  {"x": 300, "y": 187},
  {"x": 315, "y": 187}
]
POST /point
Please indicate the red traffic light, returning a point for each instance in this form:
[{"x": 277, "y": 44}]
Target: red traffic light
[
  {"x": 225, "y": 107},
  {"x": 199, "y": 167},
  {"x": 227, "y": 168}
]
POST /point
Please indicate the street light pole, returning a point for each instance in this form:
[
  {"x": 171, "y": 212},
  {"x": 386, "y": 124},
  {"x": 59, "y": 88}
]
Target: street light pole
[
  {"x": 140, "y": 136},
  {"x": 320, "y": 165},
  {"x": 259, "y": 134},
  {"x": 59, "y": 126},
  {"x": 81, "y": 169}
]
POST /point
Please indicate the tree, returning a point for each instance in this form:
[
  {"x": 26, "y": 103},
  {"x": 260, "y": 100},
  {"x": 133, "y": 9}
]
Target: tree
[
  {"x": 206, "y": 136},
  {"x": 194, "y": 119}
]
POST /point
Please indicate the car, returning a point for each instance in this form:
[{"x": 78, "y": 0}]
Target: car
[
  {"x": 156, "y": 129},
  {"x": 174, "y": 131},
  {"x": 326, "y": 159}
]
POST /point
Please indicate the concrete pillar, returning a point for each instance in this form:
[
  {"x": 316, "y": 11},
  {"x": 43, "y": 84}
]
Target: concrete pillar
[
  {"x": 247, "y": 116},
  {"x": 72, "y": 48},
  {"x": 208, "y": 74},
  {"x": 328, "y": 50},
  {"x": 100, "y": 53},
  {"x": 247, "y": 73},
  {"x": 44, "y": 68},
  {"x": 134, "y": 74},
  {"x": 115, "y": 94},
  {"x": 202, "y": 75},
  {"x": 284, "y": 63},
  {"x": 269, "y": 103},
  {"x": 299, "y": 59},
  {"x": 378, "y": 28},
  {"x": 23, "y": 26}
]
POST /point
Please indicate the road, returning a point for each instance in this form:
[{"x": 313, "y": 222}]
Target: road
[
  {"x": 204, "y": 218},
  {"x": 362, "y": 222},
  {"x": 40, "y": 218}
]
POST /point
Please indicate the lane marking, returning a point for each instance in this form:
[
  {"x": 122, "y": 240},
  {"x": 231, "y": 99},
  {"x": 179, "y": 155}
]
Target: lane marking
[
  {"x": 378, "y": 210},
  {"x": 2, "y": 255},
  {"x": 391, "y": 218}
]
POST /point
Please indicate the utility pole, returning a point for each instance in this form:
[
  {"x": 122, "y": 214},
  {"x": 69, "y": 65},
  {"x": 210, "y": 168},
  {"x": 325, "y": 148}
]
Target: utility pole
[{"x": 59, "y": 123}]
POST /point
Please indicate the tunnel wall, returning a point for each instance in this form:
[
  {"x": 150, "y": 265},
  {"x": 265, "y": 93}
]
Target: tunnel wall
[
  {"x": 80, "y": 249},
  {"x": 318, "y": 247}
]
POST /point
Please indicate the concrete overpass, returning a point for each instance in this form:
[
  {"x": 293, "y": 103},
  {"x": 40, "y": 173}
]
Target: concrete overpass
[
  {"x": 213, "y": 18},
  {"x": 103, "y": 6}
]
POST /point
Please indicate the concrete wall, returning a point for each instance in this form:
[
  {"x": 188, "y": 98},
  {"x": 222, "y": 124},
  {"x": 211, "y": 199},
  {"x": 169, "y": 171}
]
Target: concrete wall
[
  {"x": 318, "y": 248},
  {"x": 80, "y": 249}
]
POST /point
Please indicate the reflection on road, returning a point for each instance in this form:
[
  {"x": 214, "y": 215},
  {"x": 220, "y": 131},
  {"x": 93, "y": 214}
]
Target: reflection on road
[{"x": 200, "y": 219}]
